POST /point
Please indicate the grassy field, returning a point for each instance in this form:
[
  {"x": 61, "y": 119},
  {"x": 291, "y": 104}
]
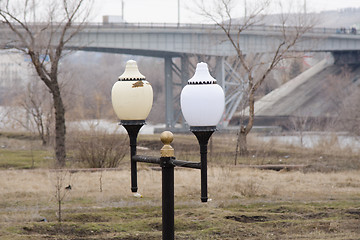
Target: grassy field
[{"x": 321, "y": 201}]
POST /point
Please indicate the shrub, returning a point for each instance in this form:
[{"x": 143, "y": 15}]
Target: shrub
[{"x": 100, "y": 150}]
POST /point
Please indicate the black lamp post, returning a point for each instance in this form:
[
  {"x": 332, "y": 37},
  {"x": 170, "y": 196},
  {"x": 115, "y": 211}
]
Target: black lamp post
[
  {"x": 202, "y": 104},
  {"x": 203, "y": 135},
  {"x": 133, "y": 127},
  {"x": 132, "y": 101}
]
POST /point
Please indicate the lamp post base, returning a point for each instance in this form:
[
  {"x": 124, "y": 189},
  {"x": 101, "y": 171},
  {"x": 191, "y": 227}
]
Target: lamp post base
[{"x": 203, "y": 135}]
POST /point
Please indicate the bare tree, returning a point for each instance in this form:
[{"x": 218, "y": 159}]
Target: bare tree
[
  {"x": 41, "y": 29},
  {"x": 343, "y": 90},
  {"x": 299, "y": 123},
  {"x": 350, "y": 115},
  {"x": 38, "y": 111},
  {"x": 253, "y": 67},
  {"x": 38, "y": 104},
  {"x": 61, "y": 190}
]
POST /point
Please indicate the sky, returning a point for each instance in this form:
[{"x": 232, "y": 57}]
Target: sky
[{"x": 160, "y": 11}]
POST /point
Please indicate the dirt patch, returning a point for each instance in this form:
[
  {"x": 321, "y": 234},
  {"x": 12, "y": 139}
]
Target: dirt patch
[
  {"x": 84, "y": 217},
  {"x": 355, "y": 213},
  {"x": 248, "y": 219},
  {"x": 156, "y": 226},
  {"x": 280, "y": 209},
  {"x": 63, "y": 229},
  {"x": 318, "y": 215},
  {"x": 140, "y": 237}
]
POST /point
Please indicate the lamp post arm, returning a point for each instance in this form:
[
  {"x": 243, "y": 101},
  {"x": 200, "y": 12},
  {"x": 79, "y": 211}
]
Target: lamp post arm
[
  {"x": 173, "y": 161},
  {"x": 187, "y": 164},
  {"x": 146, "y": 159}
]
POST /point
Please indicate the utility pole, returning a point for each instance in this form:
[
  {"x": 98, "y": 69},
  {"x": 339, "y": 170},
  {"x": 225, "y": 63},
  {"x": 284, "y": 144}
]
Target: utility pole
[
  {"x": 245, "y": 7},
  {"x": 178, "y": 12},
  {"x": 33, "y": 3},
  {"x": 122, "y": 10}
]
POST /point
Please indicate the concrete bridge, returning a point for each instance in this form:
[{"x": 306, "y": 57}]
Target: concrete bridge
[
  {"x": 171, "y": 41},
  {"x": 160, "y": 40}
]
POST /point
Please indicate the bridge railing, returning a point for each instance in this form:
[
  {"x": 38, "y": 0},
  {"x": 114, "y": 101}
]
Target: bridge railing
[
  {"x": 271, "y": 28},
  {"x": 155, "y": 25},
  {"x": 190, "y": 26}
]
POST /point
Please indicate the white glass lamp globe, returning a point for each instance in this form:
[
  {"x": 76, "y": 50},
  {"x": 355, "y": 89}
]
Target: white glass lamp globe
[
  {"x": 132, "y": 95},
  {"x": 202, "y": 99}
]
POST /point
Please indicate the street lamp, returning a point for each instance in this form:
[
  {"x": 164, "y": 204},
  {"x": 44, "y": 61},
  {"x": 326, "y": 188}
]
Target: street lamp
[
  {"x": 132, "y": 98},
  {"x": 202, "y": 104}
]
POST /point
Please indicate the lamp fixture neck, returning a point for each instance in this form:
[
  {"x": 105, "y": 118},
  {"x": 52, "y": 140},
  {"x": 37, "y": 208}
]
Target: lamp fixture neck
[{"x": 202, "y": 75}]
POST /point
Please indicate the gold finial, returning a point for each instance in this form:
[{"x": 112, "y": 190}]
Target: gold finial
[{"x": 167, "y": 151}]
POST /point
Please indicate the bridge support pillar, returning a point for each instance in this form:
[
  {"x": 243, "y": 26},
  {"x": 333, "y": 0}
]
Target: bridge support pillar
[
  {"x": 173, "y": 86},
  {"x": 185, "y": 76},
  {"x": 169, "y": 108},
  {"x": 220, "y": 78},
  {"x": 233, "y": 84},
  {"x": 220, "y": 72}
]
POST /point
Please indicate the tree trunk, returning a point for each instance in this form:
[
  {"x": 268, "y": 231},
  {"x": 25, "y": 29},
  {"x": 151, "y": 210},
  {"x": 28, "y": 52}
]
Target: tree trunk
[
  {"x": 241, "y": 145},
  {"x": 59, "y": 210},
  {"x": 42, "y": 133},
  {"x": 43, "y": 140},
  {"x": 242, "y": 142},
  {"x": 60, "y": 129}
]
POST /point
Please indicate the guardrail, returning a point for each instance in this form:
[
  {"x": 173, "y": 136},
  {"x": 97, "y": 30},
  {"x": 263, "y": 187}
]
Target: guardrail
[
  {"x": 184, "y": 26},
  {"x": 274, "y": 28}
]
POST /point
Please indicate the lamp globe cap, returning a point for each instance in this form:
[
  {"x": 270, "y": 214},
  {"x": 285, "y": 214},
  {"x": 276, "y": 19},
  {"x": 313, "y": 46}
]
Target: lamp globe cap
[
  {"x": 202, "y": 75},
  {"x": 131, "y": 72}
]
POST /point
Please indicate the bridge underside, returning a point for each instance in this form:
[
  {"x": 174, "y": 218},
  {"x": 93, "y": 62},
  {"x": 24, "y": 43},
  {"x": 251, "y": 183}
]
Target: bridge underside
[{"x": 146, "y": 53}]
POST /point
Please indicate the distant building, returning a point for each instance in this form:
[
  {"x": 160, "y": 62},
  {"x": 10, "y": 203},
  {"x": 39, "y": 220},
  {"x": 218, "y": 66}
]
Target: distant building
[{"x": 110, "y": 19}]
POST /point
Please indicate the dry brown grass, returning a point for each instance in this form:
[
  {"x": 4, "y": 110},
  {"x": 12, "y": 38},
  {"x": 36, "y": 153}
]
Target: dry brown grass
[
  {"x": 290, "y": 203},
  {"x": 35, "y": 188}
]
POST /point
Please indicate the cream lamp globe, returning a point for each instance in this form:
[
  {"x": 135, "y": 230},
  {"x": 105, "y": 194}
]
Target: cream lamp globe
[
  {"x": 202, "y": 99},
  {"x": 132, "y": 95}
]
